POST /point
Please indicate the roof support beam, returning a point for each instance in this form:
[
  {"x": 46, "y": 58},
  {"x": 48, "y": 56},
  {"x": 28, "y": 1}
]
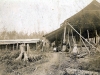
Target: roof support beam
[
  {"x": 64, "y": 40},
  {"x": 82, "y": 36}
]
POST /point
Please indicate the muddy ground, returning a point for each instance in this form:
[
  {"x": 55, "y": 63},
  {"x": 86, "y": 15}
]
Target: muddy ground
[{"x": 45, "y": 63}]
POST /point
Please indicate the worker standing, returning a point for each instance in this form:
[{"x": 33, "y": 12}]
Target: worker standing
[{"x": 75, "y": 52}]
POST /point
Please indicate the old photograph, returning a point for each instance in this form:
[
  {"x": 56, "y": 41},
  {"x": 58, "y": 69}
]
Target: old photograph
[{"x": 49, "y": 37}]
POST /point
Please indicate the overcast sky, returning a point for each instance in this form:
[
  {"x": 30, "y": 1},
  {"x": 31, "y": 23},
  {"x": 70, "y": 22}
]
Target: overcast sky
[{"x": 37, "y": 15}]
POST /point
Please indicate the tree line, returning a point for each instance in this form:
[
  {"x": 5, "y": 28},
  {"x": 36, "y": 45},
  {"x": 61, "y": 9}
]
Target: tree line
[{"x": 7, "y": 35}]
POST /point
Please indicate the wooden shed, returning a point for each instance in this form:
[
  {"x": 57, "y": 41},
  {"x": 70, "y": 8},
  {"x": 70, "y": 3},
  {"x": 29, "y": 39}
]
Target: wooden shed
[
  {"x": 86, "y": 22},
  {"x": 14, "y": 44}
]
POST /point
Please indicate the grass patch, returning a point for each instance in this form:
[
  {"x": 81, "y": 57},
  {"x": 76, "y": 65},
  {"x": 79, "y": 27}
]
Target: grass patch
[{"x": 93, "y": 64}]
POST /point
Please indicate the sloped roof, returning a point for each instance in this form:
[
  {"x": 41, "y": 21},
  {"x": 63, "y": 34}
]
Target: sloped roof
[
  {"x": 2, "y": 42},
  {"x": 88, "y": 16},
  {"x": 54, "y": 34},
  {"x": 87, "y": 19}
]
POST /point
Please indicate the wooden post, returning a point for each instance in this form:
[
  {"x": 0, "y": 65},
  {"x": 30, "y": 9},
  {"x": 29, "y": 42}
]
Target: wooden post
[
  {"x": 88, "y": 34},
  {"x": 73, "y": 37},
  {"x": 88, "y": 39},
  {"x": 95, "y": 40},
  {"x": 64, "y": 35},
  {"x": 1, "y": 47},
  {"x": 17, "y": 46},
  {"x": 6, "y": 46},
  {"x": 44, "y": 44},
  {"x": 13, "y": 46},
  {"x": 80, "y": 41},
  {"x": 64, "y": 40},
  {"x": 28, "y": 50},
  {"x": 36, "y": 45},
  {"x": 69, "y": 41},
  {"x": 97, "y": 37}
]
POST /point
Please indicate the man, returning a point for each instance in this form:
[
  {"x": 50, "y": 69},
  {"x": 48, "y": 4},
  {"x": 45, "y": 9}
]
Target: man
[{"x": 75, "y": 52}]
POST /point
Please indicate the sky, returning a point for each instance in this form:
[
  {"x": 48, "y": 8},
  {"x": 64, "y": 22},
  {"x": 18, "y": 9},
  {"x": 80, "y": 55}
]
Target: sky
[{"x": 37, "y": 15}]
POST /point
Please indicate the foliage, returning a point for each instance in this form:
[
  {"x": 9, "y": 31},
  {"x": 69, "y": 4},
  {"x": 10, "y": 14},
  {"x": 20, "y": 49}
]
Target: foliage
[
  {"x": 6, "y": 35},
  {"x": 9, "y": 65},
  {"x": 92, "y": 65}
]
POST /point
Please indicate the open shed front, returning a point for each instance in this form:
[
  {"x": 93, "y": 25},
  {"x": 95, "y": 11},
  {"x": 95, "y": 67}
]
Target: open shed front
[
  {"x": 86, "y": 23},
  {"x": 15, "y": 44}
]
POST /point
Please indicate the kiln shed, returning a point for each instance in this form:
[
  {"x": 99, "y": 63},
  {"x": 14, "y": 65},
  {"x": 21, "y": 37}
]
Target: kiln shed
[
  {"x": 87, "y": 19},
  {"x": 85, "y": 23}
]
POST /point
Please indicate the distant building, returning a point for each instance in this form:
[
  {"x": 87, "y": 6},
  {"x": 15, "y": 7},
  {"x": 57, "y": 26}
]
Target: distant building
[{"x": 14, "y": 44}]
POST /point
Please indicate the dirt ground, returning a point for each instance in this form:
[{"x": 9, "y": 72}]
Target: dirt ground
[{"x": 45, "y": 63}]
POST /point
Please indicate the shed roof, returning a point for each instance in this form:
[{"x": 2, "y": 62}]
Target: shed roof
[
  {"x": 2, "y": 42},
  {"x": 86, "y": 19}
]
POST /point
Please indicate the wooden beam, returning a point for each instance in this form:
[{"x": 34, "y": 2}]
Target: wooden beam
[
  {"x": 64, "y": 40},
  {"x": 36, "y": 45},
  {"x": 88, "y": 35},
  {"x": 72, "y": 36},
  {"x": 1, "y": 47},
  {"x": 6, "y": 46},
  {"x": 28, "y": 49},
  {"x": 64, "y": 35},
  {"x": 69, "y": 41},
  {"x": 82, "y": 36},
  {"x": 13, "y": 46},
  {"x": 86, "y": 46},
  {"x": 96, "y": 37},
  {"x": 80, "y": 41},
  {"x": 17, "y": 46}
]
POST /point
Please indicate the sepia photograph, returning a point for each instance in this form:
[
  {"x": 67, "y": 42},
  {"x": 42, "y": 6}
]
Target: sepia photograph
[{"x": 49, "y": 37}]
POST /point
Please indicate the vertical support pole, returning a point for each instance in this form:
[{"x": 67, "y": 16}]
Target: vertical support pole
[
  {"x": 72, "y": 36},
  {"x": 93, "y": 39},
  {"x": 64, "y": 35},
  {"x": 69, "y": 42},
  {"x": 88, "y": 34},
  {"x": 80, "y": 41},
  {"x": 6, "y": 46},
  {"x": 28, "y": 49},
  {"x": 17, "y": 47},
  {"x": 36, "y": 45},
  {"x": 64, "y": 40},
  {"x": 44, "y": 44},
  {"x": 88, "y": 39},
  {"x": 56, "y": 43},
  {"x": 96, "y": 37},
  {"x": 1, "y": 47},
  {"x": 13, "y": 46},
  {"x": 24, "y": 44}
]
